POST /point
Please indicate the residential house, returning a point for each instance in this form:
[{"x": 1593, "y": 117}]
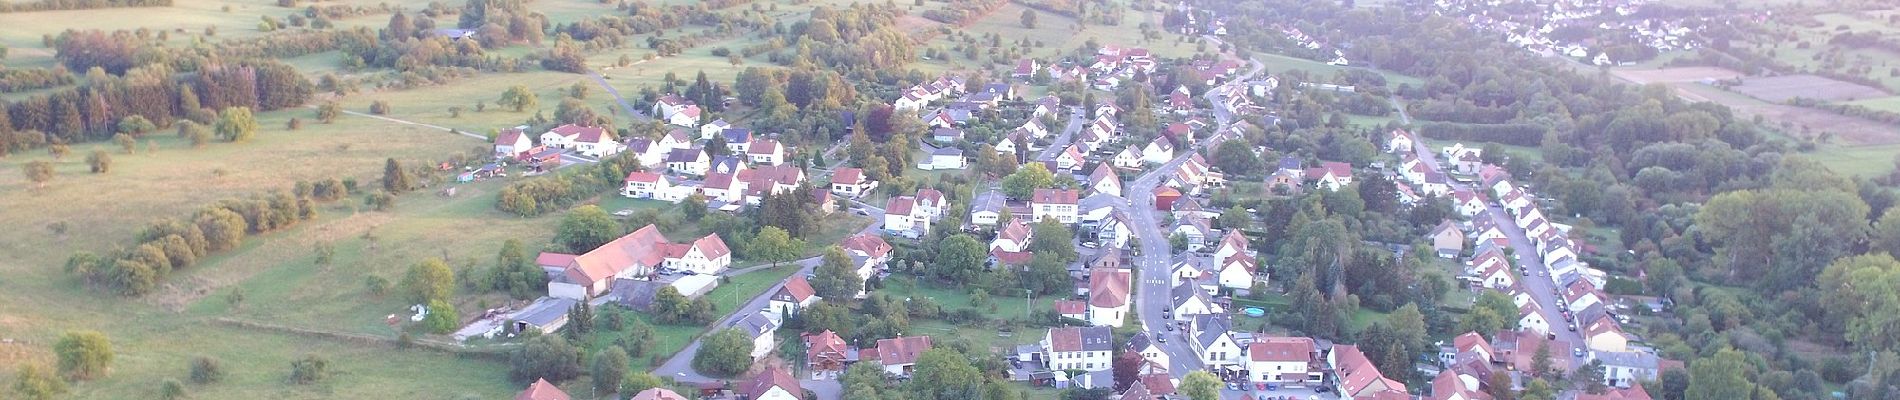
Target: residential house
[
  {"x": 1238, "y": 272},
  {"x": 1634, "y": 392},
  {"x": 946, "y": 136},
  {"x": 945, "y": 158},
  {"x": 1159, "y": 151},
  {"x": 1103, "y": 180},
  {"x": 648, "y": 151},
  {"x": 1356, "y": 376},
  {"x": 711, "y": 129},
  {"x": 1401, "y": 141},
  {"x": 910, "y": 101},
  {"x": 1447, "y": 240},
  {"x": 724, "y": 188},
  {"x": 1193, "y": 228},
  {"x": 1085, "y": 348},
  {"x": 1011, "y": 245},
  {"x": 687, "y": 116},
  {"x": 1451, "y": 385},
  {"x": 1073, "y": 309},
  {"x": 1047, "y": 105},
  {"x": 773, "y": 384},
  {"x": 851, "y": 182},
  {"x": 585, "y": 140},
  {"x": 1012, "y": 144},
  {"x": 1468, "y": 203},
  {"x": 1231, "y": 244},
  {"x": 759, "y": 328},
  {"x": 1114, "y": 231},
  {"x": 652, "y": 186},
  {"x": 726, "y": 165},
  {"x": 1058, "y": 204},
  {"x": 1581, "y": 295},
  {"x": 1627, "y": 369},
  {"x": 765, "y": 152},
  {"x": 1130, "y": 157},
  {"x": 512, "y": 142},
  {"x": 1108, "y": 296},
  {"x": 1148, "y": 348},
  {"x": 738, "y": 140},
  {"x": 677, "y": 110},
  {"x": 1190, "y": 299},
  {"x": 1025, "y": 68},
  {"x": 1604, "y": 334},
  {"x": 657, "y": 394},
  {"x": 1070, "y": 159},
  {"x": 637, "y": 254},
  {"x": 1213, "y": 341},
  {"x": 827, "y": 355},
  {"x": 901, "y": 217},
  {"x": 897, "y": 355},
  {"x": 987, "y": 208},
  {"x": 1330, "y": 175},
  {"x": 931, "y": 203},
  {"x": 688, "y": 161},
  {"x": 791, "y": 298},
  {"x": 542, "y": 390},
  {"x": 1530, "y": 317},
  {"x": 1035, "y": 129},
  {"x": 1283, "y": 360},
  {"x": 771, "y": 180}
]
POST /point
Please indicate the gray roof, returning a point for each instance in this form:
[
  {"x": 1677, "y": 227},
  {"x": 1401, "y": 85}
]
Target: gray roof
[
  {"x": 1211, "y": 327},
  {"x": 684, "y": 155},
  {"x": 725, "y": 165},
  {"x": 1098, "y": 338},
  {"x": 1632, "y": 359},
  {"x": 948, "y": 151},
  {"x": 545, "y": 312},
  {"x": 1139, "y": 341},
  {"x": 755, "y": 325},
  {"x": 1098, "y": 201},
  {"x": 1188, "y": 289},
  {"x": 636, "y": 294},
  {"x": 988, "y": 201},
  {"x": 736, "y": 135}
]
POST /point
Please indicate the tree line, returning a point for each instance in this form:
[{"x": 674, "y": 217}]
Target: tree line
[
  {"x": 58, "y": 5},
  {"x": 171, "y": 244},
  {"x": 93, "y": 111}
]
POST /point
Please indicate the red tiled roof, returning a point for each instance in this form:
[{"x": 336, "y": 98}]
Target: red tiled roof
[
  {"x": 1015, "y": 231},
  {"x": 799, "y": 288},
  {"x": 899, "y": 205},
  {"x": 763, "y": 147},
  {"x": 1282, "y": 349},
  {"x": 1472, "y": 340},
  {"x": 712, "y": 246},
  {"x": 825, "y": 346},
  {"x": 771, "y": 378},
  {"x": 1159, "y": 384},
  {"x": 1070, "y": 307},
  {"x": 900, "y": 350},
  {"x": 586, "y": 134},
  {"x": 930, "y": 196},
  {"x": 872, "y": 246},
  {"x": 1108, "y": 287},
  {"x": 542, "y": 390},
  {"x": 1011, "y": 257},
  {"x": 657, "y": 394},
  {"x": 643, "y": 177},
  {"x": 1356, "y": 372},
  {"x": 1634, "y": 392},
  {"x": 1053, "y": 196},
  {"x": 847, "y": 176},
  {"x": 642, "y": 248},
  {"x": 509, "y": 136}
]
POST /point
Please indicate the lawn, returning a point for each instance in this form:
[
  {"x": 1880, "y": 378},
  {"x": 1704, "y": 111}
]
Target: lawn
[
  {"x": 1057, "y": 37},
  {"x": 1278, "y": 64},
  {"x": 1010, "y": 306},
  {"x": 1888, "y": 104}
]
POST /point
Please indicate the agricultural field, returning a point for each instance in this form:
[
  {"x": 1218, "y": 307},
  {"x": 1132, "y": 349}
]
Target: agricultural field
[
  {"x": 1783, "y": 88},
  {"x": 1808, "y": 48}
]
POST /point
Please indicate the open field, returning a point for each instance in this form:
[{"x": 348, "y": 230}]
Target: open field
[
  {"x": 1799, "y": 121},
  {"x": 1888, "y": 104},
  {"x": 1278, "y": 64},
  {"x": 1644, "y": 76},
  {"x": 1783, "y": 88}
]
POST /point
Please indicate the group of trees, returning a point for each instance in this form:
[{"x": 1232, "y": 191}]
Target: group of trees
[
  {"x": 56, "y": 5},
  {"x": 95, "y": 110},
  {"x": 170, "y": 244}
]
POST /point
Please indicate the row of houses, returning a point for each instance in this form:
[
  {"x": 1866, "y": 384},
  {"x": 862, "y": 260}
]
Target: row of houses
[{"x": 1470, "y": 362}]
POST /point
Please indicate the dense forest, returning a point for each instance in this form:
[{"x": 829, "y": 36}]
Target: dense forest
[{"x": 1753, "y": 242}]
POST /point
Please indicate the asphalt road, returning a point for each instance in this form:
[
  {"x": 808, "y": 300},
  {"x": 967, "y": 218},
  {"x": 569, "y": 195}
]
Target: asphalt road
[{"x": 1076, "y": 122}]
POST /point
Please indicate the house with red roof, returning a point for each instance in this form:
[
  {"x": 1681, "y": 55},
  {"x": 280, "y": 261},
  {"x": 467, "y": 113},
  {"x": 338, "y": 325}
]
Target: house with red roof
[
  {"x": 1085, "y": 348},
  {"x": 657, "y": 394},
  {"x": 903, "y": 217},
  {"x": 637, "y": 254},
  {"x": 1284, "y": 360},
  {"x": 791, "y": 298},
  {"x": 773, "y": 384},
  {"x": 1059, "y": 204},
  {"x": 1070, "y": 158},
  {"x": 1104, "y": 180},
  {"x": 591, "y": 141},
  {"x": 1450, "y": 385},
  {"x": 512, "y": 142},
  {"x": 1604, "y": 334},
  {"x": 770, "y": 180},
  {"x": 1076, "y": 309},
  {"x": 542, "y": 390},
  {"x": 897, "y": 355},
  {"x": 1330, "y": 175},
  {"x": 827, "y": 355},
  {"x": 1358, "y": 378},
  {"x": 1108, "y": 296},
  {"x": 1634, "y": 392},
  {"x": 1401, "y": 141},
  {"x": 765, "y": 152},
  {"x": 851, "y": 182},
  {"x": 1012, "y": 242}
]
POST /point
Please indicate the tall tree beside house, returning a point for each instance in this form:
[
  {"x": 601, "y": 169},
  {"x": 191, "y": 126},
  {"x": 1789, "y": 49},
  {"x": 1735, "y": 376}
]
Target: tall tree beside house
[
  {"x": 670, "y": 307},
  {"x": 585, "y": 228},
  {"x": 83, "y": 355},
  {"x": 1061, "y": 247},
  {"x": 610, "y": 366},
  {"x": 1200, "y": 385},
  {"x": 429, "y": 280},
  {"x": 38, "y": 171},
  {"x": 545, "y": 357},
  {"x": 395, "y": 178},
  {"x": 1126, "y": 369},
  {"x": 945, "y": 374},
  {"x": 236, "y": 124},
  {"x": 775, "y": 245},
  {"x": 725, "y": 353},
  {"x": 833, "y": 279},
  {"x": 1026, "y": 180}
]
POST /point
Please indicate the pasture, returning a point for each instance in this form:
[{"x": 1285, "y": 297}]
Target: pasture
[{"x": 1779, "y": 89}]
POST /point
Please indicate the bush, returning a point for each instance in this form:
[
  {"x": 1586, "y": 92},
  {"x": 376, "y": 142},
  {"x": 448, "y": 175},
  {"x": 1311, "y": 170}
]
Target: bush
[
  {"x": 206, "y": 370},
  {"x": 379, "y": 107},
  {"x": 310, "y": 369}
]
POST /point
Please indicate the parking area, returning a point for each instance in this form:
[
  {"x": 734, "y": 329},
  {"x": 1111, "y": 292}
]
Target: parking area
[{"x": 1257, "y": 393}]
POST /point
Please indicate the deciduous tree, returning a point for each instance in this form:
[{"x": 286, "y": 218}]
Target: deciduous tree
[
  {"x": 585, "y": 228},
  {"x": 1200, "y": 385},
  {"x": 727, "y": 352},
  {"x": 545, "y": 357},
  {"x": 84, "y": 355},
  {"x": 428, "y": 281}
]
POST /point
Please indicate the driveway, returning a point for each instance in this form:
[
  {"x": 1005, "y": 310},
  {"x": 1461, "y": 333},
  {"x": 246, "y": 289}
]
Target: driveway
[{"x": 1076, "y": 122}]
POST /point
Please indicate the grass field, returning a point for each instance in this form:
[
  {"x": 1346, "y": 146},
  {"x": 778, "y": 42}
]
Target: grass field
[
  {"x": 1278, "y": 64},
  {"x": 1888, "y": 104}
]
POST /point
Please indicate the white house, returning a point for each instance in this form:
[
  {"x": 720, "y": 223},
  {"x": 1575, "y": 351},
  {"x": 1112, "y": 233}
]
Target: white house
[
  {"x": 591, "y": 141},
  {"x": 759, "y": 327},
  {"x": 765, "y": 152},
  {"x": 687, "y": 116},
  {"x": 901, "y": 217},
  {"x": 512, "y": 142},
  {"x": 1213, "y": 341},
  {"x": 944, "y": 159},
  {"x": 1531, "y": 318},
  {"x": 1108, "y": 296},
  {"x": 792, "y": 297},
  {"x": 1158, "y": 151},
  {"x": 987, "y": 208},
  {"x": 1401, "y": 141},
  {"x": 1059, "y": 204},
  {"x": 1103, "y": 180},
  {"x": 1130, "y": 157},
  {"x": 851, "y": 182},
  {"x": 1330, "y": 175},
  {"x": 710, "y": 129},
  {"x": 1070, "y": 158},
  {"x": 1085, "y": 348},
  {"x": 1231, "y": 244},
  {"x": 773, "y": 384},
  {"x": 1283, "y": 360},
  {"x": 722, "y": 187},
  {"x": 636, "y": 254},
  {"x": 1237, "y": 272},
  {"x": 1148, "y": 348},
  {"x": 688, "y": 161},
  {"x": 1190, "y": 299},
  {"x": 897, "y": 355},
  {"x": 648, "y": 185}
]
